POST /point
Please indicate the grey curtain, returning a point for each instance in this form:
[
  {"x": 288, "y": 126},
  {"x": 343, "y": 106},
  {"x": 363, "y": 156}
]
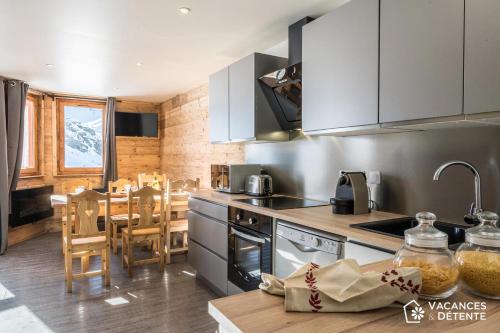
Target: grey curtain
[
  {"x": 12, "y": 102},
  {"x": 110, "y": 162}
]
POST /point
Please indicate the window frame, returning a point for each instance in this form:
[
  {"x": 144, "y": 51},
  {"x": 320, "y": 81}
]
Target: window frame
[
  {"x": 35, "y": 170},
  {"x": 60, "y": 104}
]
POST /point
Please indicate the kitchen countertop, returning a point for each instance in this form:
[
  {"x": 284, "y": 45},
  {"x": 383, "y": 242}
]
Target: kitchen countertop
[
  {"x": 257, "y": 311},
  {"x": 319, "y": 218}
]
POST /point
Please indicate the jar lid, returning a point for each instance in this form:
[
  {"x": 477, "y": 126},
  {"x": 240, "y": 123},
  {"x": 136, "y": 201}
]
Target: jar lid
[
  {"x": 487, "y": 233},
  {"x": 425, "y": 234}
]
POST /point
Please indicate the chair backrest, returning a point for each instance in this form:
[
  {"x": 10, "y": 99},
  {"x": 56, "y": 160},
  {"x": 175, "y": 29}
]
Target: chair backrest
[
  {"x": 121, "y": 185},
  {"x": 178, "y": 190},
  {"x": 181, "y": 186},
  {"x": 86, "y": 211},
  {"x": 146, "y": 203},
  {"x": 152, "y": 179},
  {"x": 72, "y": 186}
]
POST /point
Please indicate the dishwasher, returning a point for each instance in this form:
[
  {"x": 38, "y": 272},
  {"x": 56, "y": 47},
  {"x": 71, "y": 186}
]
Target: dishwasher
[{"x": 297, "y": 245}]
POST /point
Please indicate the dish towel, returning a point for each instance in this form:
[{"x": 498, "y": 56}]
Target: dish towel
[{"x": 342, "y": 287}]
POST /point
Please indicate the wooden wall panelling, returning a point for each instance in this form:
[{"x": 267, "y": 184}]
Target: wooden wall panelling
[
  {"x": 25, "y": 232},
  {"x": 146, "y": 153},
  {"x": 185, "y": 149}
]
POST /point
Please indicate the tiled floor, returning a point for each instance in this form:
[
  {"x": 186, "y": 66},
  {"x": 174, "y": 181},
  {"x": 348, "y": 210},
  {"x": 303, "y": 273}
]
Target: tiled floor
[{"x": 33, "y": 299}]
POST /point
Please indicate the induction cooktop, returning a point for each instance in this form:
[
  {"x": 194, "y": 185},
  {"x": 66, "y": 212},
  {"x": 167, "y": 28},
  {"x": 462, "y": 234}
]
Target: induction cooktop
[{"x": 282, "y": 202}]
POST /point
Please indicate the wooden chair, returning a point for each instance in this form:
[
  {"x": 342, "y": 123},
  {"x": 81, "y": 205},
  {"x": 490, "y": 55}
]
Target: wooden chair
[
  {"x": 120, "y": 220},
  {"x": 121, "y": 185},
  {"x": 86, "y": 240},
  {"x": 70, "y": 187},
  {"x": 151, "y": 180},
  {"x": 177, "y": 206},
  {"x": 146, "y": 230}
]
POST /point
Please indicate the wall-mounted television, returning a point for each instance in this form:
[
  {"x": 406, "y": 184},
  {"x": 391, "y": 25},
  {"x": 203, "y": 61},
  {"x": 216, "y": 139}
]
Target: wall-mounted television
[{"x": 136, "y": 124}]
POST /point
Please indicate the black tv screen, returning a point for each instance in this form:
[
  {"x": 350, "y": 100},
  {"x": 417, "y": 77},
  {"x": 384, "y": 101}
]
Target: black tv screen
[
  {"x": 136, "y": 124},
  {"x": 31, "y": 205}
]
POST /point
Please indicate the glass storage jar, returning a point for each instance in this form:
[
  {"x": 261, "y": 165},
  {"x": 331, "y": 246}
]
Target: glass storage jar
[
  {"x": 479, "y": 257},
  {"x": 426, "y": 248}
]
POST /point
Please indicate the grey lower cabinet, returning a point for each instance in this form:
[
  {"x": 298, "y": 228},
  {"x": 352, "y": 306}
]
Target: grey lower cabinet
[
  {"x": 365, "y": 254},
  {"x": 208, "y": 243},
  {"x": 421, "y": 59},
  {"x": 209, "y": 233},
  {"x": 340, "y": 68},
  {"x": 482, "y": 56},
  {"x": 250, "y": 115},
  {"x": 209, "y": 267},
  {"x": 218, "y": 106}
]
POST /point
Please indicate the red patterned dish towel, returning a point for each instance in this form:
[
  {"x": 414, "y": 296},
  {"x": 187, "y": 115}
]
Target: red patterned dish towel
[{"x": 343, "y": 287}]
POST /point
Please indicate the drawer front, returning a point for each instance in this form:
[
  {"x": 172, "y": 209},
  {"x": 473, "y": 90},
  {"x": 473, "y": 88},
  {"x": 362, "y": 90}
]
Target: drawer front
[
  {"x": 208, "y": 232},
  {"x": 211, "y": 267},
  {"x": 207, "y": 208}
]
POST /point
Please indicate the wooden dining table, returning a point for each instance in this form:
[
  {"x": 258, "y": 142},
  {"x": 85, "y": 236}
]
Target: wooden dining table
[
  {"x": 117, "y": 199},
  {"x": 60, "y": 200},
  {"x": 119, "y": 203}
]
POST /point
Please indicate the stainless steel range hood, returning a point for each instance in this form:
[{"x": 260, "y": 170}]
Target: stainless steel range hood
[{"x": 283, "y": 88}]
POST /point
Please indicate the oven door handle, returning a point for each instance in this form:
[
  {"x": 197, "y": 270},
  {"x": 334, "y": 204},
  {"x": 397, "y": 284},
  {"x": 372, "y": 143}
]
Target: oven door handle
[{"x": 248, "y": 237}]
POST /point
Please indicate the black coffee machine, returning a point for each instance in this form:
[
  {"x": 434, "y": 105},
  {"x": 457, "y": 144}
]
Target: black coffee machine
[{"x": 351, "y": 194}]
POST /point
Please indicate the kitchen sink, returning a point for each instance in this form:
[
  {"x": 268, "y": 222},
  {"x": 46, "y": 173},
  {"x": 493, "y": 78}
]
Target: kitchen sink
[{"x": 396, "y": 228}]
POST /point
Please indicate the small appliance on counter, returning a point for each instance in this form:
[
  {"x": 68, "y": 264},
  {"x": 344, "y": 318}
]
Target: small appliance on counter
[
  {"x": 351, "y": 195},
  {"x": 259, "y": 185},
  {"x": 231, "y": 178}
]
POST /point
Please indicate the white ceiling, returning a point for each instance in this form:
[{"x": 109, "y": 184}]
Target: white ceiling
[{"x": 96, "y": 44}]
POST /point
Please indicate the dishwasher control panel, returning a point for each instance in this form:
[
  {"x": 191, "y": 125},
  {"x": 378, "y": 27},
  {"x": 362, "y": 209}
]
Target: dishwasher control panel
[{"x": 309, "y": 240}]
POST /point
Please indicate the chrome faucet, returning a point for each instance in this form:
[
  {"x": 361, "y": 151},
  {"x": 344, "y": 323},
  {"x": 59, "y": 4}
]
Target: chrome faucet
[{"x": 477, "y": 206}]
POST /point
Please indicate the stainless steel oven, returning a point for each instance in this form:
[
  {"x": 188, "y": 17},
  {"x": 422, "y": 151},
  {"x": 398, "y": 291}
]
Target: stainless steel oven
[{"x": 249, "y": 249}]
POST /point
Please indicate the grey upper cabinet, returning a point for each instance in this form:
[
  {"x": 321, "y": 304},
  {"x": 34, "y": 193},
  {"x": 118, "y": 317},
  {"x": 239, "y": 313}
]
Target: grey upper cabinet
[
  {"x": 242, "y": 99},
  {"x": 250, "y": 116},
  {"x": 218, "y": 108},
  {"x": 421, "y": 59},
  {"x": 340, "y": 68},
  {"x": 482, "y": 56}
]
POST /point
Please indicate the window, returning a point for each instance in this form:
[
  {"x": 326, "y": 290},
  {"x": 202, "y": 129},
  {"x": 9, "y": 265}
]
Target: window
[
  {"x": 29, "y": 164},
  {"x": 80, "y": 136}
]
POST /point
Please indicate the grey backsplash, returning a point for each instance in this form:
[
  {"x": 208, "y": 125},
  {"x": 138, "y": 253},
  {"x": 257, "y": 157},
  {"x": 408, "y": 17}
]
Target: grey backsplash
[{"x": 309, "y": 167}]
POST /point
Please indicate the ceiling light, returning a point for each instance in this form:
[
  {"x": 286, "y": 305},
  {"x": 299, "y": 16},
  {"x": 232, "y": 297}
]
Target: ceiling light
[
  {"x": 49, "y": 65},
  {"x": 139, "y": 64},
  {"x": 184, "y": 10}
]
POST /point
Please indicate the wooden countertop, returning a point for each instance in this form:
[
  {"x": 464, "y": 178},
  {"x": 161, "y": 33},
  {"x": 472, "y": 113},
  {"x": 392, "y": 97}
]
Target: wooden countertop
[
  {"x": 319, "y": 218},
  {"x": 257, "y": 311}
]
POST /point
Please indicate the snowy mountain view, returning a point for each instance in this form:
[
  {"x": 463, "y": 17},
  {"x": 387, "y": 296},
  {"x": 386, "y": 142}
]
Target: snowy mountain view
[{"x": 82, "y": 137}]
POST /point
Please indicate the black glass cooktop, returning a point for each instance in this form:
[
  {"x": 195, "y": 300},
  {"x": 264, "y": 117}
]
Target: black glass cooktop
[{"x": 282, "y": 202}]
